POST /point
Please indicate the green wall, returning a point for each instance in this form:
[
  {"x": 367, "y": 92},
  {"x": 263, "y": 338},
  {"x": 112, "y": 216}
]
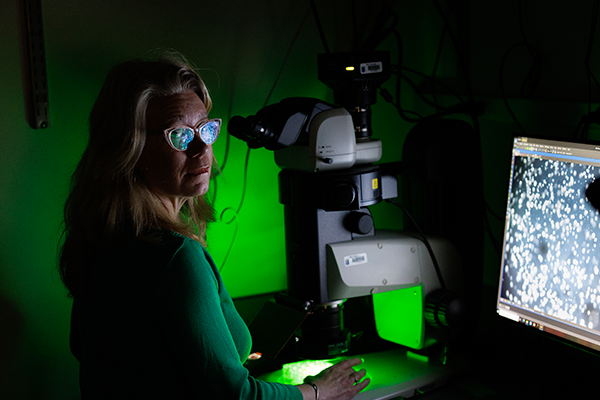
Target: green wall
[{"x": 240, "y": 47}]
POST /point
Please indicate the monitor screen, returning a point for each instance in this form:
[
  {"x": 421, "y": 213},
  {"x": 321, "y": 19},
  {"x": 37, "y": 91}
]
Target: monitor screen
[{"x": 550, "y": 274}]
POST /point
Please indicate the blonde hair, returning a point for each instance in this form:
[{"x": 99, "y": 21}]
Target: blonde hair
[{"x": 109, "y": 204}]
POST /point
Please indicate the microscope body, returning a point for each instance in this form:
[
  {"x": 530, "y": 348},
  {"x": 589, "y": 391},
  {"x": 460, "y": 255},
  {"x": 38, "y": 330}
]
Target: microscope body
[{"x": 333, "y": 251}]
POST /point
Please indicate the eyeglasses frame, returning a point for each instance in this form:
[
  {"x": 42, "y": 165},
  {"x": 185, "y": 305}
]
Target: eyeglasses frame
[{"x": 196, "y": 130}]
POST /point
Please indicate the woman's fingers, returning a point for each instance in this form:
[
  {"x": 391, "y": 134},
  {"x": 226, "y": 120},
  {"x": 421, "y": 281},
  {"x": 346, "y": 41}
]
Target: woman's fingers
[
  {"x": 340, "y": 381},
  {"x": 347, "y": 364}
]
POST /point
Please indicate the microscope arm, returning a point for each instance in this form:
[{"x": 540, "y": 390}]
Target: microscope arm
[{"x": 389, "y": 260}]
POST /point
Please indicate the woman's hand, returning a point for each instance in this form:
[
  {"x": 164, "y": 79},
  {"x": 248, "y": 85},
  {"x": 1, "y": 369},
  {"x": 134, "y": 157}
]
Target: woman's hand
[{"x": 340, "y": 381}]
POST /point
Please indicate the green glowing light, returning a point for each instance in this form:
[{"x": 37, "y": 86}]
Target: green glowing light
[
  {"x": 399, "y": 316},
  {"x": 417, "y": 357},
  {"x": 294, "y": 373}
]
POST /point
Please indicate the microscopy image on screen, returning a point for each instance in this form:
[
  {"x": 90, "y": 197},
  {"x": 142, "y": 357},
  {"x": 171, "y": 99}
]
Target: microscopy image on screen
[{"x": 552, "y": 254}]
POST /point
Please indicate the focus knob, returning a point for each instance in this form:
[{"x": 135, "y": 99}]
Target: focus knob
[
  {"x": 445, "y": 309},
  {"x": 359, "y": 222},
  {"x": 340, "y": 195}
]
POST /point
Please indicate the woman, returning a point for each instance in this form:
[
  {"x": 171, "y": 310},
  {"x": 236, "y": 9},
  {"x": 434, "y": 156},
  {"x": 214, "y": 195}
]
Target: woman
[{"x": 151, "y": 317}]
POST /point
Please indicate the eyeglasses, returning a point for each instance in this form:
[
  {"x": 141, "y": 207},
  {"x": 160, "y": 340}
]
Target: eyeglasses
[{"x": 179, "y": 137}]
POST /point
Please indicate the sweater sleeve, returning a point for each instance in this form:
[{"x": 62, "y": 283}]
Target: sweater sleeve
[{"x": 197, "y": 334}]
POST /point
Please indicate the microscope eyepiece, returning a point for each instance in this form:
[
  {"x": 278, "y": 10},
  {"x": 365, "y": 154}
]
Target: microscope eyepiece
[
  {"x": 250, "y": 130},
  {"x": 278, "y": 125}
]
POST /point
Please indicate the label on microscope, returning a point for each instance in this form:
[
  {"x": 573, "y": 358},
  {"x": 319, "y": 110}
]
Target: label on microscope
[{"x": 355, "y": 259}]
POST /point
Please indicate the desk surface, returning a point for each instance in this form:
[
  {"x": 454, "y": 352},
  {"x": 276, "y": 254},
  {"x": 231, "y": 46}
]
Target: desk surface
[{"x": 509, "y": 361}]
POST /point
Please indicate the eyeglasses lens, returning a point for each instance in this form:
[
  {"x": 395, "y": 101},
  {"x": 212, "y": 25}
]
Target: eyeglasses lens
[
  {"x": 210, "y": 132},
  {"x": 181, "y": 137}
]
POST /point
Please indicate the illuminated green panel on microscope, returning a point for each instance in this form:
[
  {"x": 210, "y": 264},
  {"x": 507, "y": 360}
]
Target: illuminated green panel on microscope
[{"x": 399, "y": 316}]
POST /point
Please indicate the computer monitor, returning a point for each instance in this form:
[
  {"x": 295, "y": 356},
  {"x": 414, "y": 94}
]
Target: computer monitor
[{"x": 550, "y": 274}]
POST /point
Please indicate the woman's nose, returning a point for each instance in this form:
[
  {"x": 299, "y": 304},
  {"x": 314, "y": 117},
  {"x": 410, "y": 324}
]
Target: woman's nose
[{"x": 197, "y": 147}]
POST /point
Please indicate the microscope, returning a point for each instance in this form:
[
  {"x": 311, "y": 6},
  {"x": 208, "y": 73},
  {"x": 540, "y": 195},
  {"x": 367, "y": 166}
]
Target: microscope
[{"x": 328, "y": 180}]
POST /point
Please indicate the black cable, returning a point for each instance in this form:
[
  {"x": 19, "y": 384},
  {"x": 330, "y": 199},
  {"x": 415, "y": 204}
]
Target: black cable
[
  {"x": 235, "y": 231},
  {"x": 422, "y": 96},
  {"x": 214, "y": 183},
  {"x": 425, "y": 241},
  {"x": 497, "y": 216},
  {"x": 400, "y": 49},
  {"x": 247, "y": 160},
  {"x": 578, "y": 127},
  {"x": 437, "y": 82},
  {"x": 379, "y": 32},
  {"x": 488, "y": 225},
  {"x": 319, "y": 26},
  {"x": 234, "y": 219},
  {"x": 467, "y": 108},
  {"x": 285, "y": 59},
  {"x": 245, "y": 182},
  {"x": 534, "y": 74},
  {"x": 588, "y": 55},
  {"x": 461, "y": 108},
  {"x": 461, "y": 63},
  {"x": 221, "y": 167},
  {"x": 581, "y": 130},
  {"x": 436, "y": 62},
  {"x": 397, "y": 104},
  {"x": 465, "y": 70},
  {"x": 586, "y": 121},
  {"x": 503, "y": 93},
  {"x": 354, "y": 27},
  {"x": 229, "y": 114}
]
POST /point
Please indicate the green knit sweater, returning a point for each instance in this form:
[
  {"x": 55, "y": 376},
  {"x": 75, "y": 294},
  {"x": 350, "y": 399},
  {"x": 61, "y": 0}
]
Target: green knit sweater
[{"x": 156, "y": 322}]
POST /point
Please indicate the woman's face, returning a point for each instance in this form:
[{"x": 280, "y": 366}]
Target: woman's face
[{"x": 171, "y": 174}]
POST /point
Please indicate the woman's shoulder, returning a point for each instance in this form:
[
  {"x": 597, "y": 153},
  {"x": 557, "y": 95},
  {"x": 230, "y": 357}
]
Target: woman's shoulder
[
  {"x": 187, "y": 258},
  {"x": 153, "y": 251},
  {"x": 177, "y": 246},
  {"x": 168, "y": 240}
]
